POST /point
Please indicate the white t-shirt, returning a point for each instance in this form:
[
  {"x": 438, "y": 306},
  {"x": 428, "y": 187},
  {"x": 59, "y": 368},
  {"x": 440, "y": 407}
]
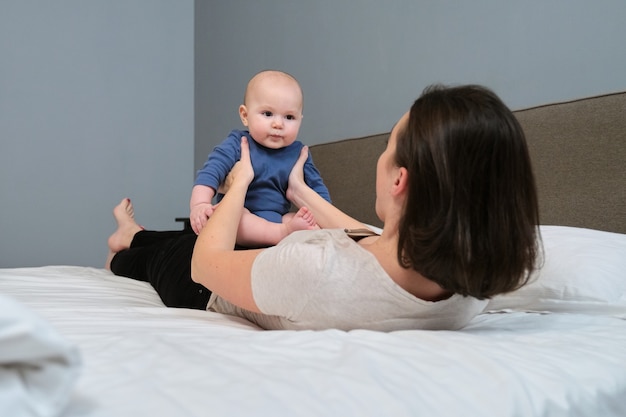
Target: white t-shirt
[{"x": 323, "y": 279}]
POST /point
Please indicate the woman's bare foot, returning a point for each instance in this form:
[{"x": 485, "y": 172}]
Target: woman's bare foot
[
  {"x": 124, "y": 214},
  {"x": 302, "y": 220}
]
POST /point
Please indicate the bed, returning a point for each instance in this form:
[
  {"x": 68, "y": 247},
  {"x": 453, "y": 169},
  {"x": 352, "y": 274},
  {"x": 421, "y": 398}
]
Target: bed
[{"x": 78, "y": 341}]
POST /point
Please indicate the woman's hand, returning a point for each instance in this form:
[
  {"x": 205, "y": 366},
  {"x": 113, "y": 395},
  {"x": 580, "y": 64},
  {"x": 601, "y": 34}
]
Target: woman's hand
[
  {"x": 238, "y": 170},
  {"x": 242, "y": 172},
  {"x": 301, "y": 195},
  {"x": 296, "y": 176}
]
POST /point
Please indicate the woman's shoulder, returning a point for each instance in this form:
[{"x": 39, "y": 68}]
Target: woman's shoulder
[
  {"x": 314, "y": 252},
  {"x": 321, "y": 238}
]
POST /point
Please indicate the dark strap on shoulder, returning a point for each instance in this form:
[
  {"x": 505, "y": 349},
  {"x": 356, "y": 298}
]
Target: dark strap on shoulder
[{"x": 358, "y": 234}]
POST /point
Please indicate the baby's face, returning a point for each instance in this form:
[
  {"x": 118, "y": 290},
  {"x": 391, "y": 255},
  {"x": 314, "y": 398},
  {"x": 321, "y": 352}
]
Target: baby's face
[{"x": 273, "y": 113}]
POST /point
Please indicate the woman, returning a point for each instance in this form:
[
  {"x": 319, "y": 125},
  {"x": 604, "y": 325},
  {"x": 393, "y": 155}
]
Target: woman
[{"x": 457, "y": 197}]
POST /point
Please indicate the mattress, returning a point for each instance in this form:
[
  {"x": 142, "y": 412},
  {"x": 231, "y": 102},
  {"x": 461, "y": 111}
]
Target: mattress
[{"x": 137, "y": 357}]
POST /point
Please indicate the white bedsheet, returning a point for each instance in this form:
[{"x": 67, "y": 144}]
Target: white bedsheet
[{"x": 142, "y": 359}]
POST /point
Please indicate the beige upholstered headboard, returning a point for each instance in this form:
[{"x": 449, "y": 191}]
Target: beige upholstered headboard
[
  {"x": 578, "y": 150},
  {"x": 348, "y": 168}
]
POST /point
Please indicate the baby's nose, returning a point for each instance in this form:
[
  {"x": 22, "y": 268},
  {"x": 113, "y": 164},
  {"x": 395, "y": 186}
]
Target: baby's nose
[{"x": 277, "y": 121}]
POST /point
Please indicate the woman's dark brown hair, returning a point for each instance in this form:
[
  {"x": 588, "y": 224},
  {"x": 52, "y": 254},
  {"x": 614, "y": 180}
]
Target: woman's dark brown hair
[{"x": 471, "y": 215}]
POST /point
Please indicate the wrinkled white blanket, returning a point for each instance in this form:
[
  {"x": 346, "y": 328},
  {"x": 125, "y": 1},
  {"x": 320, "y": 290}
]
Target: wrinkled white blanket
[
  {"x": 142, "y": 359},
  {"x": 38, "y": 367}
]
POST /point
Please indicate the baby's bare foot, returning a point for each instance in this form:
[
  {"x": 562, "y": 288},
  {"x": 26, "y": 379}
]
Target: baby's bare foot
[
  {"x": 302, "y": 220},
  {"x": 124, "y": 214}
]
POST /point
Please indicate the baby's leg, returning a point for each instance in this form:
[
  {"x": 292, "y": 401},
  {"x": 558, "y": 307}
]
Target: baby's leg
[
  {"x": 303, "y": 219},
  {"x": 255, "y": 231}
]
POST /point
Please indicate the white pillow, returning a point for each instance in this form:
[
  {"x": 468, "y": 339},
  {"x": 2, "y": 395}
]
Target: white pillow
[{"x": 584, "y": 272}]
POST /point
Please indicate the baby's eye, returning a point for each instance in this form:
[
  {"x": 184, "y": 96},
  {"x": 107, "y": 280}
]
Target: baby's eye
[
  {"x": 267, "y": 113},
  {"x": 291, "y": 117}
]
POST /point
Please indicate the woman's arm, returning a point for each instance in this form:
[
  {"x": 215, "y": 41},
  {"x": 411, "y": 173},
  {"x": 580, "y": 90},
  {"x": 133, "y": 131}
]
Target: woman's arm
[
  {"x": 215, "y": 264},
  {"x": 300, "y": 194}
]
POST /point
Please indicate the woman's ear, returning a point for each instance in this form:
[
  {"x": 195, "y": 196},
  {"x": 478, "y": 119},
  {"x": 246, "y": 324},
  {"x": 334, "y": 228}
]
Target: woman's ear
[
  {"x": 243, "y": 114},
  {"x": 400, "y": 182}
]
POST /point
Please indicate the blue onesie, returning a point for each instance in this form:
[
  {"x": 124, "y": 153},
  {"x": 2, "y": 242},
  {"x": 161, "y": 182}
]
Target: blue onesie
[{"x": 266, "y": 194}]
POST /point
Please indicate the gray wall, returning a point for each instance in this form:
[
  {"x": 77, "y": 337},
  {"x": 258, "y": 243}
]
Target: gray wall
[
  {"x": 97, "y": 97},
  {"x": 361, "y": 63},
  {"x": 96, "y": 104}
]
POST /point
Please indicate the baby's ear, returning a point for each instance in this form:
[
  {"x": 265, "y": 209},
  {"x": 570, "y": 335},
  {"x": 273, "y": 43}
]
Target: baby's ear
[{"x": 243, "y": 114}]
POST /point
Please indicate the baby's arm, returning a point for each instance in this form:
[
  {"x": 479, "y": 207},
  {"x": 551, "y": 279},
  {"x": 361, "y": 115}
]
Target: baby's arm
[{"x": 200, "y": 206}]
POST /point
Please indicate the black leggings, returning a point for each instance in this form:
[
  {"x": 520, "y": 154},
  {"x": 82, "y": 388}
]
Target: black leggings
[{"x": 164, "y": 260}]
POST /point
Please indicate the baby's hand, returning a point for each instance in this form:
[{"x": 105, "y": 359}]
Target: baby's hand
[{"x": 199, "y": 215}]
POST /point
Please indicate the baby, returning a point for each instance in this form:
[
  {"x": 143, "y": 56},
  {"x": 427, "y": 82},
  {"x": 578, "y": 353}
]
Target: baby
[{"x": 272, "y": 112}]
